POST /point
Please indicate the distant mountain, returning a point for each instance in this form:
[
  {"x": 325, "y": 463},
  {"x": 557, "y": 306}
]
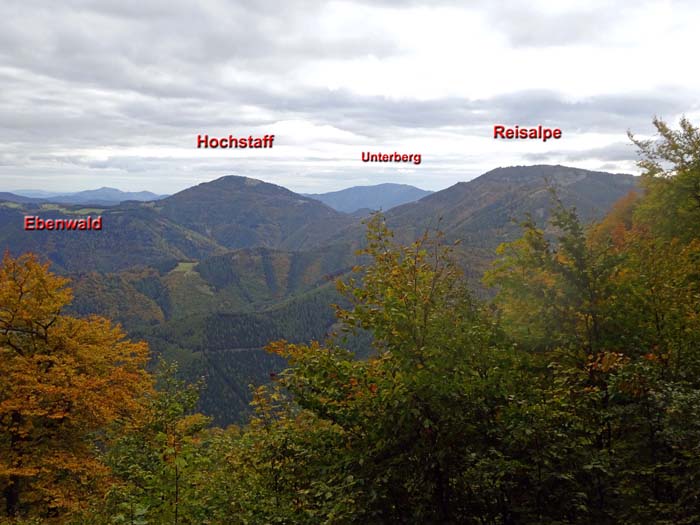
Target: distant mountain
[
  {"x": 37, "y": 194},
  {"x": 102, "y": 196},
  {"x": 233, "y": 212},
  {"x": 105, "y": 196},
  {"x": 379, "y": 197},
  {"x": 14, "y": 197},
  {"x": 238, "y": 212}
]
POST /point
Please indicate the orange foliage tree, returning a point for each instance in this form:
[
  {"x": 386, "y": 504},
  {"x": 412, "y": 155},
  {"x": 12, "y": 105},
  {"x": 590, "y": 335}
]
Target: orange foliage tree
[{"x": 64, "y": 383}]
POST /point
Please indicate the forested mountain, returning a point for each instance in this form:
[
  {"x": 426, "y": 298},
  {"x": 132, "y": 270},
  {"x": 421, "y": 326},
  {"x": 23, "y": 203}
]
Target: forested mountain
[
  {"x": 262, "y": 275},
  {"x": 238, "y": 212},
  {"x": 133, "y": 234},
  {"x": 228, "y": 213},
  {"x": 481, "y": 212},
  {"x": 227, "y": 348},
  {"x": 484, "y": 212},
  {"x": 377, "y": 197}
]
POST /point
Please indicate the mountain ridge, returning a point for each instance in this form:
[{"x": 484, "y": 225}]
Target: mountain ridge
[
  {"x": 104, "y": 196},
  {"x": 234, "y": 212}
]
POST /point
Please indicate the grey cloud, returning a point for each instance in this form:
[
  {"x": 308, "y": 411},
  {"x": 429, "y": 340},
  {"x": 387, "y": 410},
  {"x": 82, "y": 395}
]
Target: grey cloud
[
  {"x": 173, "y": 49},
  {"x": 161, "y": 66},
  {"x": 525, "y": 26},
  {"x": 594, "y": 114},
  {"x": 619, "y": 151},
  {"x": 68, "y": 118},
  {"x": 609, "y": 113},
  {"x": 616, "y": 152}
]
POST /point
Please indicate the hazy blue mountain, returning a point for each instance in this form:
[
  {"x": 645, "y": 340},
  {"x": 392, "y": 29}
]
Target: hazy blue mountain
[
  {"x": 38, "y": 194},
  {"x": 14, "y": 197},
  {"x": 102, "y": 196},
  {"x": 105, "y": 195},
  {"x": 380, "y": 196}
]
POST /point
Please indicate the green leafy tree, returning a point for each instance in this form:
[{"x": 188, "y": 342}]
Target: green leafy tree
[
  {"x": 410, "y": 424},
  {"x": 671, "y": 178},
  {"x": 158, "y": 461}
]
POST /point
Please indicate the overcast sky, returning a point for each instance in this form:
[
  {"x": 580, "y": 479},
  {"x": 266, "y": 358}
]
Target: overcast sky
[{"x": 115, "y": 92}]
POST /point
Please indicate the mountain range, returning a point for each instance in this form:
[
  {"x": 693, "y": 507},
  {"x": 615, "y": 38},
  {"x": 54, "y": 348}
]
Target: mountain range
[
  {"x": 102, "y": 196},
  {"x": 363, "y": 199},
  {"x": 211, "y": 274}
]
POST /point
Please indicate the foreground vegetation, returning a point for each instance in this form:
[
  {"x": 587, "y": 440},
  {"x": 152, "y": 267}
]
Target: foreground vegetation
[{"x": 574, "y": 397}]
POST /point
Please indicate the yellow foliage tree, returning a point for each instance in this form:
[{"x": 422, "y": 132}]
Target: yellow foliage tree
[{"x": 63, "y": 382}]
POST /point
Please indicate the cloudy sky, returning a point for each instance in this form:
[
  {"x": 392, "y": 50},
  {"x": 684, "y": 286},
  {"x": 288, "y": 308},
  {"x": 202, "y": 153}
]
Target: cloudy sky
[{"x": 114, "y": 92}]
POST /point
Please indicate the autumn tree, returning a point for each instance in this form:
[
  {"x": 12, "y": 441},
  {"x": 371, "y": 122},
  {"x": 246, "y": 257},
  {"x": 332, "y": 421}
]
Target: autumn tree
[
  {"x": 553, "y": 289},
  {"x": 63, "y": 382}
]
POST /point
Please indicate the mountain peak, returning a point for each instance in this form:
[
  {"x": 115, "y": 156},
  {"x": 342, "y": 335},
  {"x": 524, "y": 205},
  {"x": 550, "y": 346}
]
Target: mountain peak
[
  {"x": 241, "y": 212},
  {"x": 241, "y": 183}
]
